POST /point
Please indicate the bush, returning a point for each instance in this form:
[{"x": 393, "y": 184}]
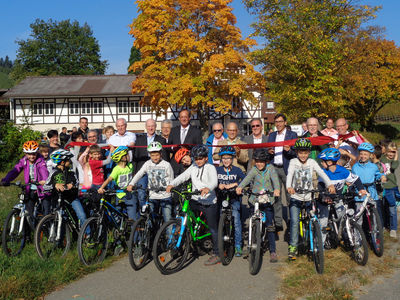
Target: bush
[
  {"x": 12, "y": 138},
  {"x": 373, "y": 137}
]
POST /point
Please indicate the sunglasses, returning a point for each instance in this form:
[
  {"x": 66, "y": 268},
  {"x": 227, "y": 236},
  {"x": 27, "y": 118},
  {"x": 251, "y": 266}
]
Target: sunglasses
[
  {"x": 253, "y": 126},
  {"x": 217, "y": 130}
]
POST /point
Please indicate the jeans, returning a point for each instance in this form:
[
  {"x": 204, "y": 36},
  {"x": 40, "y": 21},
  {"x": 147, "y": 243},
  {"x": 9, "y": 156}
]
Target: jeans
[
  {"x": 80, "y": 213},
  {"x": 130, "y": 204},
  {"x": 166, "y": 207},
  {"x": 140, "y": 194},
  {"x": 236, "y": 206},
  {"x": 390, "y": 196},
  {"x": 269, "y": 214},
  {"x": 295, "y": 207}
]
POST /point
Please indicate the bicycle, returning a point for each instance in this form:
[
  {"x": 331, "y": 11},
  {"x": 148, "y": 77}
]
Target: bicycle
[
  {"x": 55, "y": 232},
  {"x": 343, "y": 228},
  {"x": 176, "y": 237},
  {"x": 310, "y": 234},
  {"x": 18, "y": 226},
  {"x": 93, "y": 239},
  {"x": 258, "y": 242},
  {"x": 140, "y": 243},
  {"x": 226, "y": 229}
]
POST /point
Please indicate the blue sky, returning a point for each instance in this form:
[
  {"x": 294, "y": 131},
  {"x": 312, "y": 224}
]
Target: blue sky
[{"x": 110, "y": 21}]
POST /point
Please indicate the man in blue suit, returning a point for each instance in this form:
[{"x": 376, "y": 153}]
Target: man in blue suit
[{"x": 282, "y": 156}]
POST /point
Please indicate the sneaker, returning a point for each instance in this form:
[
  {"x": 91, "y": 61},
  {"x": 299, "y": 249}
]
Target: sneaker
[
  {"x": 238, "y": 251},
  {"x": 118, "y": 250},
  {"x": 213, "y": 260},
  {"x": 292, "y": 252},
  {"x": 273, "y": 258},
  {"x": 393, "y": 234}
]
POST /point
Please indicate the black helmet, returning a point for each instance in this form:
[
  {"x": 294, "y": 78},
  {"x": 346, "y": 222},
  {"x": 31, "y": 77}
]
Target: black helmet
[
  {"x": 199, "y": 151},
  {"x": 262, "y": 154}
]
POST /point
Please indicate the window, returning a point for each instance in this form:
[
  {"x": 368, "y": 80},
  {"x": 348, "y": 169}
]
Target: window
[
  {"x": 37, "y": 109},
  {"x": 135, "y": 107},
  {"x": 74, "y": 108},
  {"x": 85, "y": 108},
  {"x": 122, "y": 107},
  {"x": 236, "y": 103},
  {"x": 97, "y": 107},
  {"x": 146, "y": 109},
  {"x": 270, "y": 105},
  {"x": 49, "y": 108}
]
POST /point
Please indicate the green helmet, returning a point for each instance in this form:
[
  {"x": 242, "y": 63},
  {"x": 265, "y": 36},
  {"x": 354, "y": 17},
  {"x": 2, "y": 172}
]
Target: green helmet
[
  {"x": 302, "y": 144},
  {"x": 154, "y": 147},
  {"x": 118, "y": 153}
]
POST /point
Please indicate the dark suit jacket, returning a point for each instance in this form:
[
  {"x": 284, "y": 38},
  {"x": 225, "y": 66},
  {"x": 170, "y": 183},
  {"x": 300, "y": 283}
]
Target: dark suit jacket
[
  {"x": 193, "y": 136},
  {"x": 140, "y": 155},
  {"x": 287, "y": 155},
  {"x": 249, "y": 139}
]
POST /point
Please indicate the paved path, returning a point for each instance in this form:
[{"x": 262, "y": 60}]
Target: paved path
[{"x": 196, "y": 281}]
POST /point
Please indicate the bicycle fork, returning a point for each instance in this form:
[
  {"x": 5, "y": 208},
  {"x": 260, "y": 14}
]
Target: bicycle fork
[{"x": 183, "y": 226}]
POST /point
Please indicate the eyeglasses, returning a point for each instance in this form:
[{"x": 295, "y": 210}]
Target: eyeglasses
[
  {"x": 279, "y": 121},
  {"x": 227, "y": 158},
  {"x": 254, "y": 126},
  {"x": 92, "y": 136},
  {"x": 217, "y": 130}
]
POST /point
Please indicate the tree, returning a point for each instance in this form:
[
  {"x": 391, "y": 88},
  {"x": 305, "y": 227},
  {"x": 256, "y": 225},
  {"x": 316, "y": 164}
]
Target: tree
[
  {"x": 305, "y": 49},
  {"x": 134, "y": 57},
  {"x": 58, "y": 48},
  {"x": 192, "y": 55},
  {"x": 371, "y": 78}
]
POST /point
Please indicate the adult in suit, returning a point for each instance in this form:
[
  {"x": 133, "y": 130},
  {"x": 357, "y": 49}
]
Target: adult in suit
[
  {"x": 282, "y": 156},
  {"x": 140, "y": 156},
  {"x": 184, "y": 133},
  {"x": 257, "y": 137}
]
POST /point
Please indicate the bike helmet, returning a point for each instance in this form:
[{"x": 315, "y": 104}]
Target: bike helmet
[
  {"x": 366, "y": 147},
  {"x": 332, "y": 154},
  {"x": 30, "y": 147},
  {"x": 60, "y": 155},
  {"x": 180, "y": 154},
  {"x": 227, "y": 150},
  {"x": 302, "y": 144},
  {"x": 199, "y": 151},
  {"x": 118, "y": 153},
  {"x": 261, "y": 154},
  {"x": 154, "y": 147}
]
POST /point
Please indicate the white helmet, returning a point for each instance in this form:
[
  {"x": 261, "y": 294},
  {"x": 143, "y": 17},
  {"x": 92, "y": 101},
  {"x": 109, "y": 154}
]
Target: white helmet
[{"x": 154, "y": 147}]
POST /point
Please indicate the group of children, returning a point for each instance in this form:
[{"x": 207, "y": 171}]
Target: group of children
[{"x": 60, "y": 175}]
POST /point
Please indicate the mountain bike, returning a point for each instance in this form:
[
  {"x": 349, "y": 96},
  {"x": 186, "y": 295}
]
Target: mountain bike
[
  {"x": 226, "y": 228},
  {"x": 109, "y": 223},
  {"x": 176, "y": 237},
  {"x": 19, "y": 226},
  {"x": 55, "y": 232},
  {"x": 142, "y": 235},
  {"x": 343, "y": 228},
  {"x": 310, "y": 235}
]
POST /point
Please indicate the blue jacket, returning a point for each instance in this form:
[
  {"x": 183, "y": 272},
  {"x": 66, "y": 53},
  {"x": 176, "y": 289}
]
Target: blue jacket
[
  {"x": 287, "y": 155},
  {"x": 209, "y": 143},
  {"x": 368, "y": 173}
]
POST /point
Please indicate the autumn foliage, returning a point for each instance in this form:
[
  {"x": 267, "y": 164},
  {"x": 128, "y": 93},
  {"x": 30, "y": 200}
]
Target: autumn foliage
[{"x": 192, "y": 55}]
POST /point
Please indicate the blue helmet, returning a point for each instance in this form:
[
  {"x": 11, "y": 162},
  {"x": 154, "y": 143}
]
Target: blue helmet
[
  {"x": 332, "y": 154},
  {"x": 366, "y": 147},
  {"x": 227, "y": 150}
]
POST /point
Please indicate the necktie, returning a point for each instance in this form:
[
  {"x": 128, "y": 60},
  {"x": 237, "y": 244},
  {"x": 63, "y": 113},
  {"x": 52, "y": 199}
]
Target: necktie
[{"x": 183, "y": 135}]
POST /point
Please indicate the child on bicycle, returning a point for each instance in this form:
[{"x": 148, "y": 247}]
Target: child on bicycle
[
  {"x": 204, "y": 179},
  {"x": 368, "y": 173},
  {"x": 160, "y": 175},
  {"x": 183, "y": 159},
  {"x": 390, "y": 188},
  {"x": 300, "y": 180},
  {"x": 63, "y": 179},
  {"x": 35, "y": 171},
  {"x": 265, "y": 179},
  {"x": 230, "y": 176},
  {"x": 96, "y": 165},
  {"x": 340, "y": 178}
]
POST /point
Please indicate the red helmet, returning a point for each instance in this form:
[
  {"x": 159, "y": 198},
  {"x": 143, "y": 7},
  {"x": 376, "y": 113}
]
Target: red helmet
[
  {"x": 30, "y": 147},
  {"x": 180, "y": 154}
]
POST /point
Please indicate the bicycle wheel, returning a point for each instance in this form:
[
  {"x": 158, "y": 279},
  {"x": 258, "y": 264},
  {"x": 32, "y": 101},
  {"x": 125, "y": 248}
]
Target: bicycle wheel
[
  {"x": 12, "y": 240},
  {"x": 46, "y": 242},
  {"x": 139, "y": 244},
  {"x": 226, "y": 240},
  {"x": 376, "y": 232},
  {"x": 168, "y": 256},
  {"x": 255, "y": 248},
  {"x": 360, "y": 248},
  {"x": 93, "y": 241},
  {"x": 318, "y": 251}
]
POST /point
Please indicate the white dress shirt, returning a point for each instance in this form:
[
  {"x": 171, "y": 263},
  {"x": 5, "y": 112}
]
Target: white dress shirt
[{"x": 278, "y": 159}]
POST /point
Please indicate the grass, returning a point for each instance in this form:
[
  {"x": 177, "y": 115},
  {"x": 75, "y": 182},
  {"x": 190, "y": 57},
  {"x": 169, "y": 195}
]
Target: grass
[
  {"x": 29, "y": 277},
  {"x": 341, "y": 276}
]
